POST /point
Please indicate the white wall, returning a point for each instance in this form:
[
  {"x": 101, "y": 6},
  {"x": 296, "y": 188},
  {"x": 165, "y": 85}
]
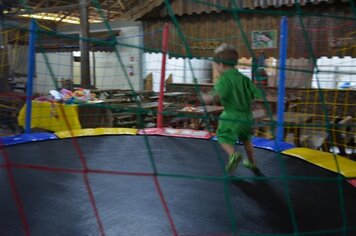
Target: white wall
[
  {"x": 334, "y": 72},
  {"x": 109, "y": 73},
  {"x": 181, "y": 69},
  {"x": 60, "y": 64}
]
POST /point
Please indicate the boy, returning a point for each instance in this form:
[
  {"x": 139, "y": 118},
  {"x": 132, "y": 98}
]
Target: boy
[{"x": 236, "y": 92}]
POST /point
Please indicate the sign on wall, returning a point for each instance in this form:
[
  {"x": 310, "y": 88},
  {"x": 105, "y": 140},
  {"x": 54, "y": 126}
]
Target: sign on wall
[
  {"x": 342, "y": 42},
  {"x": 262, "y": 39}
]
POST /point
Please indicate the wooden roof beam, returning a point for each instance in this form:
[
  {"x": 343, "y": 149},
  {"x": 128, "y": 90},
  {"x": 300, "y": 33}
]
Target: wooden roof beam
[
  {"x": 104, "y": 10},
  {"x": 50, "y": 9},
  {"x": 121, "y": 4},
  {"x": 40, "y": 3},
  {"x": 65, "y": 16}
]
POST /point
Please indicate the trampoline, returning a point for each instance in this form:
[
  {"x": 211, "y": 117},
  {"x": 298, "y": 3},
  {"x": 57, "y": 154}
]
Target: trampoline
[{"x": 115, "y": 186}]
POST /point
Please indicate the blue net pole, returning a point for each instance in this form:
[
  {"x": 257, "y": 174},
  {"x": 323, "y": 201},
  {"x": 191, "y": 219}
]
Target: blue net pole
[
  {"x": 282, "y": 77},
  {"x": 31, "y": 71}
]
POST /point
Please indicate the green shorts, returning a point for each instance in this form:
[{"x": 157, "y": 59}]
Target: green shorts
[{"x": 233, "y": 127}]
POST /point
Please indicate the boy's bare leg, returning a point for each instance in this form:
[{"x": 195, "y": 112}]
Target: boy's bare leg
[
  {"x": 228, "y": 148},
  {"x": 249, "y": 151}
]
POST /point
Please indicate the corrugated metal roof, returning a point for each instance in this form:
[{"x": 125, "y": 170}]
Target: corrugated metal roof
[
  {"x": 62, "y": 10},
  {"x": 326, "y": 36},
  {"x": 188, "y": 7},
  {"x": 280, "y": 3}
]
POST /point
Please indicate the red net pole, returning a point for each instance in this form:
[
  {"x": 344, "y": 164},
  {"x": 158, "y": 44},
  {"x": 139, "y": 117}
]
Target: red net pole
[{"x": 163, "y": 75}]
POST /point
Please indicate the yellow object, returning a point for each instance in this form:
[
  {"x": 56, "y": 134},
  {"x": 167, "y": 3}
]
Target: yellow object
[
  {"x": 325, "y": 160},
  {"x": 51, "y": 116},
  {"x": 95, "y": 132}
]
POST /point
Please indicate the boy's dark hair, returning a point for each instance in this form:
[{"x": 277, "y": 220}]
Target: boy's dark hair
[{"x": 226, "y": 54}]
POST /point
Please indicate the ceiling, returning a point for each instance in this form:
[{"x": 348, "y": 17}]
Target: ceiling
[{"x": 67, "y": 11}]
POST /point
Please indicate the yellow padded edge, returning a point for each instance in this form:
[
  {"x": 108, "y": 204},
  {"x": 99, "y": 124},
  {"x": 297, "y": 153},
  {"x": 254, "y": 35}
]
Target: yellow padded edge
[
  {"x": 325, "y": 160},
  {"x": 95, "y": 132}
]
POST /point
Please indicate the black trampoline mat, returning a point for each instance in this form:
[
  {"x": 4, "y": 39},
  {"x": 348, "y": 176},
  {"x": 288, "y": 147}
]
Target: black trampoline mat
[{"x": 188, "y": 197}]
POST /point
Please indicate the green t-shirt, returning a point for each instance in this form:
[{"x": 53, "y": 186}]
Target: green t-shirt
[{"x": 236, "y": 91}]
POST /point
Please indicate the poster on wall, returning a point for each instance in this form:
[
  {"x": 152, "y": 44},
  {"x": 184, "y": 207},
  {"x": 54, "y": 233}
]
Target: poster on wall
[{"x": 262, "y": 39}]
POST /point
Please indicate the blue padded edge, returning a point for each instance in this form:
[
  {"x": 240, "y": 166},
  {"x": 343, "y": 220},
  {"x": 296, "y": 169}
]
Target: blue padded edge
[
  {"x": 215, "y": 138},
  {"x": 271, "y": 144},
  {"x": 26, "y": 138},
  {"x": 267, "y": 144}
]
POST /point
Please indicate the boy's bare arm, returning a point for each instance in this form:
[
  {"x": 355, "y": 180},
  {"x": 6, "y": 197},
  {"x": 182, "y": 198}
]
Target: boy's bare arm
[{"x": 210, "y": 97}]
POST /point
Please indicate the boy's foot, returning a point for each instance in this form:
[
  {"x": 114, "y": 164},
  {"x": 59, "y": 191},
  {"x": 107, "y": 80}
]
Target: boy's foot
[
  {"x": 250, "y": 165},
  {"x": 234, "y": 161}
]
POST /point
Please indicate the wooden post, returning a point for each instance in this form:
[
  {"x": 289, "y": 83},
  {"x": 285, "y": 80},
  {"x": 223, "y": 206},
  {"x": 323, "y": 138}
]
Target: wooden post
[
  {"x": 84, "y": 45},
  {"x": 94, "y": 69},
  {"x": 163, "y": 74},
  {"x": 4, "y": 62}
]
